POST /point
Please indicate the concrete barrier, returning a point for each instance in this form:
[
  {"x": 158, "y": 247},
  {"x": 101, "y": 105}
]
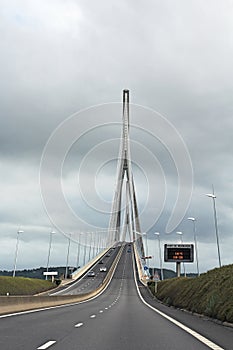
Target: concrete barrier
[
  {"x": 140, "y": 269},
  {"x": 78, "y": 273},
  {"x": 12, "y": 304}
]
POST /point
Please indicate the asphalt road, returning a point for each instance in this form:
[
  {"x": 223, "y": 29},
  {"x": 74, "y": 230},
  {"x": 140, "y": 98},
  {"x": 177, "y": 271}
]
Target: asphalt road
[
  {"x": 87, "y": 284},
  {"x": 116, "y": 320}
]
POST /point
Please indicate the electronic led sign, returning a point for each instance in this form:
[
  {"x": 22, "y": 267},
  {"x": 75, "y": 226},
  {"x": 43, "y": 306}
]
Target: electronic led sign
[{"x": 178, "y": 252}]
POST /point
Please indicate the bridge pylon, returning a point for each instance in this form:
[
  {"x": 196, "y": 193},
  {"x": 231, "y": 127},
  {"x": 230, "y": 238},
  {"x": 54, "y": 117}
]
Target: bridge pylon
[{"x": 125, "y": 188}]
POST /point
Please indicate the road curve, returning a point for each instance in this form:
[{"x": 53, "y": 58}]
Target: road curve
[
  {"x": 117, "y": 319},
  {"x": 87, "y": 284}
]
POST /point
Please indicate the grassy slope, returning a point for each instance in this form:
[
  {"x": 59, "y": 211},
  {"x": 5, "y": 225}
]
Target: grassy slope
[
  {"x": 23, "y": 286},
  {"x": 210, "y": 294}
]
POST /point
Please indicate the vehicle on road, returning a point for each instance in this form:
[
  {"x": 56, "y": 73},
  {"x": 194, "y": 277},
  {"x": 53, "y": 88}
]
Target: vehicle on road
[
  {"x": 91, "y": 274},
  {"x": 103, "y": 269}
]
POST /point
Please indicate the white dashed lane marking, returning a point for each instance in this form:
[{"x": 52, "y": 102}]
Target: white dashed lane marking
[
  {"x": 80, "y": 324},
  {"x": 92, "y": 316},
  {"x": 46, "y": 345}
]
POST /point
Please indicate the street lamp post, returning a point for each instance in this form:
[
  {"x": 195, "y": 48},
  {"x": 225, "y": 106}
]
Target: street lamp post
[
  {"x": 160, "y": 255},
  {"x": 50, "y": 243},
  {"x": 78, "y": 249},
  {"x": 67, "y": 258},
  {"x": 181, "y": 240},
  {"x": 212, "y": 195},
  {"x": 94, "y": 245},
  {"x": 98, "y": 239},
  {"x": 195, "y": 242},
  {"x": 16, "y": 250},
  {"x": 145, "y": 234},
  {"x": 90, "y": 245},
  {"x": 85, "y": 250}
]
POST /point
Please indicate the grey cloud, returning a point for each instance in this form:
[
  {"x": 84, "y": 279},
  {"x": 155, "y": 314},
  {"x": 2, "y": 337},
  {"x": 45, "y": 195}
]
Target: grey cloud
[{"x": 175, "y": 58}]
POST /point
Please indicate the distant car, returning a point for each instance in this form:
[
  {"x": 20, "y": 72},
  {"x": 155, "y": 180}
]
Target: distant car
[
  {"x": 103, "y": 269},
  {"x": 129, "y": 251},
  {"x": 108, "y": 255},
  {"x": 91, "y": 274},
  {"x": 101, "y": 262}
]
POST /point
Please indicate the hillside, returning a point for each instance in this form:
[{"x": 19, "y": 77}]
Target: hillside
[
  {"x": 210, "y": 294},
  {"x": 36, "y": 273},
  {"x": 167, "y": 273},
  {"x": 23, "y": 286}
]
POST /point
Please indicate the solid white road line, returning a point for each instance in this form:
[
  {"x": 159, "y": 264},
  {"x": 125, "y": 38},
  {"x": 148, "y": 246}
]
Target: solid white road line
[
  {"x": 198, "y": 336},
  {"x": 46, "y": 345}
]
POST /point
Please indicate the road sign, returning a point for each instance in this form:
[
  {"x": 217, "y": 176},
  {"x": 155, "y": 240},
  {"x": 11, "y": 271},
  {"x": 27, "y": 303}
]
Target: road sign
[
  {"x": 156, "y": 277},
  {"x": 145, "y": 268},
  {"x": 50, "y": 273},
  {"x": 178, "y": 252}
]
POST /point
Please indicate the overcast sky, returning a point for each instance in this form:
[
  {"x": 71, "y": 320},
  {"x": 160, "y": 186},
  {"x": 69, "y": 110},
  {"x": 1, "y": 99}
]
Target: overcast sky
[{"x": 63, "y": 66}]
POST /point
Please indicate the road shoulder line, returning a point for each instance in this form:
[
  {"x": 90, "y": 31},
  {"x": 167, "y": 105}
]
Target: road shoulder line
[{"x": 198, "y": 336}]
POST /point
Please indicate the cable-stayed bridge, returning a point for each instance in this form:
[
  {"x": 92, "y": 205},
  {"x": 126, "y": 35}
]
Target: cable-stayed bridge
[
  {"x": 124, "y": 217},
  {"x": 108, "y": 307},
  {"x": 124, "y": 223}
]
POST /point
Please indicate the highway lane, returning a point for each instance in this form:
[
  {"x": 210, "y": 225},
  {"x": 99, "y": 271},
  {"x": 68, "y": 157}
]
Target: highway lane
[
  {"x": 86, "y": 284},
  {"x": 203, "y": 325},
  {"x": 115, "y": 320}
]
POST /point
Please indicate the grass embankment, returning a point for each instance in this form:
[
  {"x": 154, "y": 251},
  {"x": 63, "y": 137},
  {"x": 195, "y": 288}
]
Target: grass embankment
[
  {"x": 23, "y": 286},
  {"x": 211, "y": 294}
]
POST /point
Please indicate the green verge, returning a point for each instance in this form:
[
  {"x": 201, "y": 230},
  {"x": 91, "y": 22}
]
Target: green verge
[
  {"x": 210, "y": 294},
  {"x": 23, "y": 286}
]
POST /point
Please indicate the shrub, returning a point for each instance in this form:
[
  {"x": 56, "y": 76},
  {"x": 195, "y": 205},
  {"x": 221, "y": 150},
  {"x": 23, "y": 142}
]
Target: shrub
[{"x": 210, "y": 294}]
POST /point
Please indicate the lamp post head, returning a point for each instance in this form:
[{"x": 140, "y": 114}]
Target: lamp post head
[
  {"x": 52, "y": 232},
  {"x": 192, "y": 219},
  {"x": 140, "y": 233},
  {"x": 179, "y": 233},
  {"x": 156, "y": 233},
  {"x": 211, "y": 195},
  {"x": 20, "y": 231}
]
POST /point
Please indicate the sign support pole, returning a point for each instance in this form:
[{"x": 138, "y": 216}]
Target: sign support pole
[{"x": 178, "y": 268}]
